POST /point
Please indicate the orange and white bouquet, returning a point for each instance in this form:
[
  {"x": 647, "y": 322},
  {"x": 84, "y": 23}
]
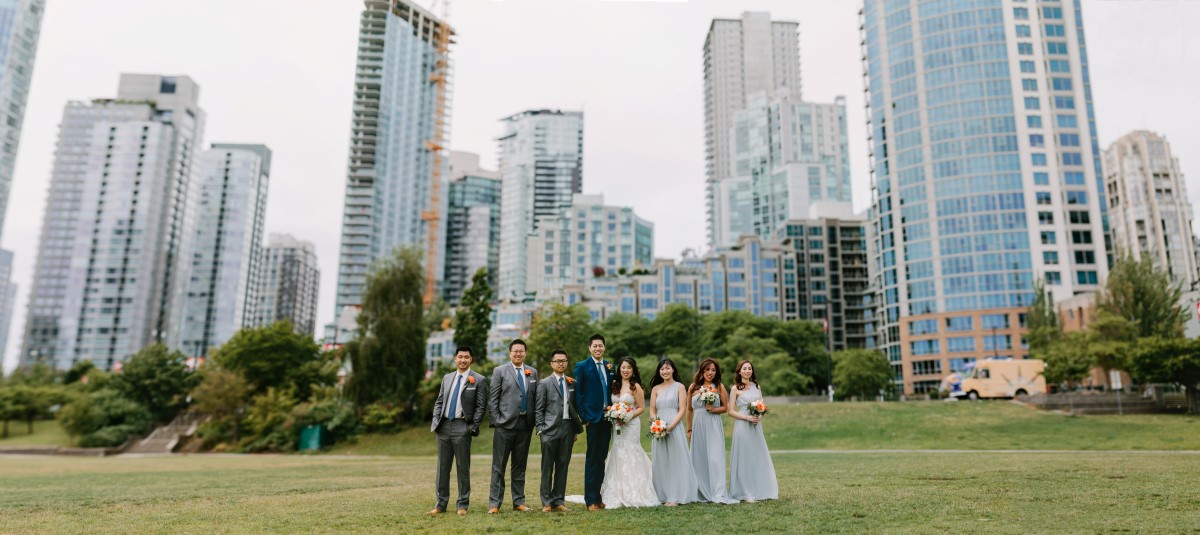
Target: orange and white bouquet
[
  {"x": 658, "y": 429},
  {"x": 618, "y": 414},
  {"x": 757, "y": 408},
  {"x": 709, "y": 395}
]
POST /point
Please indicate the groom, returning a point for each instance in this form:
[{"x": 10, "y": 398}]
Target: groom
[{"x": 593, "y": 377}]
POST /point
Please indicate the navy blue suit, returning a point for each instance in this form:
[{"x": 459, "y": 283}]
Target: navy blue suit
[{"x": 591, "y": 396}]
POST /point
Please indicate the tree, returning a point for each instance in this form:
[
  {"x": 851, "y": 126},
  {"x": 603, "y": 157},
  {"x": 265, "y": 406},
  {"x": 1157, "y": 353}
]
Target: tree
[
  {"x": 628, "y": 335},
  {"x": 558, "y": 326},
  {"x": 473, "y": 319},
  {"x": 222, "y": 395},
  {"x": 158, "y": 379},
  {"x": 778, "y": 376},
  {"x": 437, "y": 316},
  {"x": 273, "y": 356},
  {"x": 1109, "y": 339},
  {"x": 1174, "y": 360},
  {"x": 860, "y": 372},
  {"x": 1138, "y": 292},
  {"x": 104, "y": 418},
  {"x": 1042, "y": 320},
  {"x": 1068, "y": 359},
  {"x": 387, "y": 356},
  {"x": 720, "y": 326},
  {"x": 677, "y": 330},
  {"x": 806, "y": 344}
]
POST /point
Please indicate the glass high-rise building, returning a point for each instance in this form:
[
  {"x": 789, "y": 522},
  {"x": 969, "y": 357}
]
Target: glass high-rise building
[
  {"x": 390, "y": 172},
  {"x": 288, "y": 285},
  {"x": 226, "y": 265},
  {"x": 586, "y": 240},
  {"x": 472, "y": 225},
  {"x": 985, "y": 170},
  {"x": 20, "y": 27},
  {"x": 541, "y": 169},
  {"x": 115, "y": 247}
]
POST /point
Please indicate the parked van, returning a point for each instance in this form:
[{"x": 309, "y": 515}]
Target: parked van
[{"x": 1002, "y": 378}]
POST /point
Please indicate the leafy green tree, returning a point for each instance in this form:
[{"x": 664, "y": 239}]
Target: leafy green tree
[
  {"x": 1043, "y": 323},
  {"x": 677, "y": 330},
  {"x": 104, "y": 418},
  {"x": 1138, "y": 292},
  {"x": 387, "y": 356},
  {"x": 273, "y": 356},
  {"x": 39, "y": 374},
  {"x": 558, "y": 326},
  {"x": 437, "y": 316},
  {"x": 720, "y": 326},
  {"x": 860, "y": 372},
  {"x": 628, "y": 335},
  {"x": 222, "y": 395},
  {"x": 1175, "y": 360},
  {"x": 1068, "y": 359},
  {"x": 269, "y": 426},
  {"x": 473, "y": 319},
  {"x": 778, "y": 376},
  {"x": 1109, "y": 341},
  {"x": 158, "y": 379},
  {"x": 78, "y": 371},
  {"x": 806, "y": 344}
]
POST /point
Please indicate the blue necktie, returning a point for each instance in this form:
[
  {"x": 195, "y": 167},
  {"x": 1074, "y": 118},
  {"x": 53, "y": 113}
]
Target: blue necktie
[
  {"x": 521, "y": 385},
  {"x": 454, "y": 398},
  {"x": 603, "y": 376}
]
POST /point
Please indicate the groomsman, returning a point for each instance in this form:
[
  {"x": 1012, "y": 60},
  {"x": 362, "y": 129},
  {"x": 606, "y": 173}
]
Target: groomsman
[
  {"x": 593, "y": 378},
  {"x": 457, "y": 414},
  {"x": 512, "y": 400},
  {"x": 558, "y": 425}
]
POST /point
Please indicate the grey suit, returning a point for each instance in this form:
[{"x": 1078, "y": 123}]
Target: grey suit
[
  {"x": 454, "y": 434},
  {"x": 558, "y": 436},
  {"x": 514, "y": 428}
]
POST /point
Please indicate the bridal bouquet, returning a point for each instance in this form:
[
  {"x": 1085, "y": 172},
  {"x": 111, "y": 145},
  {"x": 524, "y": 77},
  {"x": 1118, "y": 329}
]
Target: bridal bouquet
[
  {"x": 757, "y": 408},
  {"x": 709, "y": 395},
  {"x": 658, "y": 429},
  {"x": 618, "y": 414}
]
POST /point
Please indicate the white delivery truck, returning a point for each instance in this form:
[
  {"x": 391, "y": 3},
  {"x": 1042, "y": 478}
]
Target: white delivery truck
[{"x": 1002, "y": 378}]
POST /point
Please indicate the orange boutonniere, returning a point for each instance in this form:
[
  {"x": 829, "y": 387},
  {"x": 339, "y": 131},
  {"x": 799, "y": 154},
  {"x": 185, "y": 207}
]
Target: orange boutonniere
[
  {"x": 609, "y": 366},
  {"x": 528, "y": 372},
  {"x": 470, "y": 379},
  {"x": 570, "y": 381}
]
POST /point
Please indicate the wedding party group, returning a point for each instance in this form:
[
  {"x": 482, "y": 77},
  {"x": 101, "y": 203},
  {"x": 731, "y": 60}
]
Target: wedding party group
[{"x": 606, "y": 401}]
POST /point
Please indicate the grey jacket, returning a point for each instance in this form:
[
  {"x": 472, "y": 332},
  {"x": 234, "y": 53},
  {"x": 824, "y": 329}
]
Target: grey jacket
[
  {"x": 549, "y": 408},
  {"x": 504, "y": 399},
  {"x": 473, "y": 399}
]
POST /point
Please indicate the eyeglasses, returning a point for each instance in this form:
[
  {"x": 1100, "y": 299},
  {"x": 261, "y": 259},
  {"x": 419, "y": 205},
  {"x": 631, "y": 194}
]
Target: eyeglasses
[
  {"x": 518, "y": 351},
  {"x": 558, "y": 361}
]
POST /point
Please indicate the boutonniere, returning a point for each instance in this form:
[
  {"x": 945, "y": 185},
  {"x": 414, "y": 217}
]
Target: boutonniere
[
  {"x": 528, "y": 372},
  {"x": 470, "y": 380},
  {"x": 570, "y": 381},
  {"x": 609, "y": 365}
]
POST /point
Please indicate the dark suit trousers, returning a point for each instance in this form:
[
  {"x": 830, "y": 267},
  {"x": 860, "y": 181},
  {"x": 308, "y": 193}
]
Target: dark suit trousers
[
  {"x": 556, "y": 457},
  {"x": 599, "y": 435},
  {"x": 454, "y": 444},
  {"x": 510, "y": 442}
]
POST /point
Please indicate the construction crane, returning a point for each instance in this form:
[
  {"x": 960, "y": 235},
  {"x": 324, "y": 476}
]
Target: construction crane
[{"x": 432, "y": 215}]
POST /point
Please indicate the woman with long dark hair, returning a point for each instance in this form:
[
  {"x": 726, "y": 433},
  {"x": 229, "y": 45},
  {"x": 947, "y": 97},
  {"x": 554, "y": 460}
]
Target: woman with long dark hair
[
  {"x": 708, "y": 401},
  {"x": 627, "y": 473},
  {"x": 674, "y": 479},
  {"x": 751, "y": 472}
]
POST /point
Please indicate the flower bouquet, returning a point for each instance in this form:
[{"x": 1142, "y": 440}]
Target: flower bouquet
[
  {"x": 658, "y": 429},
  {"x": 618, "y": 414},
  {"x": 709, "y": 395},
  {"x": 757, "y": 408}
]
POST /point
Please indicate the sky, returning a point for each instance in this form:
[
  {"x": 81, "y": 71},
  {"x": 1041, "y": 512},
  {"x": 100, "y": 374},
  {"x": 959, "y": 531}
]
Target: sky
[{"x": 281, "y": 73}]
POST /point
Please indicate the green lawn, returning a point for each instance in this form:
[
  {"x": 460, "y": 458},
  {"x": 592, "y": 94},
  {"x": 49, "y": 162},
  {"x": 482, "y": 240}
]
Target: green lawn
[
  {"x": 820, "y": 493},
  {"x": 45, "y": 433},
  {"x": 912, "y": 425}
]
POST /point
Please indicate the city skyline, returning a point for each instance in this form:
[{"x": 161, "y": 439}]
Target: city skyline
[{"x": 644, "y": 138}]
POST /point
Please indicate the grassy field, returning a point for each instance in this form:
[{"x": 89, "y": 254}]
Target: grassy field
[
  {"x": 819, "y": 493},
  {"x": 913, "y": 425},
  {"x": 45, "y": 433}
]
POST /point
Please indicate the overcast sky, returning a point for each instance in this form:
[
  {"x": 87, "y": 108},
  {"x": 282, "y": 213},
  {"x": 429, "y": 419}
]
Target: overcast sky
[{"x": 281, "y": 72}]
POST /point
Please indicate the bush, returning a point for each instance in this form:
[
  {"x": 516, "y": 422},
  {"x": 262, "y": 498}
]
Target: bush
[
  {"x": 104, "y": 418},
  {"x": 382, "y": 417},
  {"x": 327, "y": 409},
  {"x": 269, "y": 423}
]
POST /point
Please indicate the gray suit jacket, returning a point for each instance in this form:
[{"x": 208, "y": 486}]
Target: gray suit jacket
[
  {"x": 549, "y": 409},
  {"x": 504, "y": 399},
  {"x": 473, "y": 399}
]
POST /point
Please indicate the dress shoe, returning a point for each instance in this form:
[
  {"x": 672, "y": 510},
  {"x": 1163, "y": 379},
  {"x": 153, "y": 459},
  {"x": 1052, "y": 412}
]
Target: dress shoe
[
  {"x": 603, "y": 506},
  {"x": 593, "y": 507},
  {"x": 561, "y": 509},
  {"x": 494, "y": 511},
  {"x": 520, "y": 508},
  {"x": 436, "y": 512},
  {"x": 547, "y": 509},
  {"x": 462, "y": 512}
]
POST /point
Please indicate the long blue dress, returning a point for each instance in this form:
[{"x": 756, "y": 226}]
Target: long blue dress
[
  {"x": 708, "y": 452},
  {"x": 674, "y": 479},
  {"x": 751, "y": 472}
]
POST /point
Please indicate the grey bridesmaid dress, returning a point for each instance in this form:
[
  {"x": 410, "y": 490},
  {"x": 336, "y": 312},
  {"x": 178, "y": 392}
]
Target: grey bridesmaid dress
[
  {"x": 674, "y": 479},
  {"x": 708, "y": 452},
  {"x": 751, "y": 472}
]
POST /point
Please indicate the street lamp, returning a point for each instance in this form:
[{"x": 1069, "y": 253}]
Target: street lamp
[{"x": 995, "y": 344}]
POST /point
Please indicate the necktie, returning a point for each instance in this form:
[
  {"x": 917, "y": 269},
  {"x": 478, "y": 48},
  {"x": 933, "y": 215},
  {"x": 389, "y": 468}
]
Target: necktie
[
  {"x": 603, "y": 376},
  {"x": 563, "y": 390},
  {"x": 521, "y": 385},
  {"x": 454, "y": 399}
]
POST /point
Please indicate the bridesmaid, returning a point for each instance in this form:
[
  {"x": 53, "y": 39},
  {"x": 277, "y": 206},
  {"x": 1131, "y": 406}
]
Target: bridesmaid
[
  {"x": 674, "y": 479},
  {"x": 751, "y": 473},
  {"x": 708, "y": 433}
]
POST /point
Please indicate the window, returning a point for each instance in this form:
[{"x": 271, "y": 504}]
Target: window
[
  {"x": 960, "y": 324},
  {"x": 927, "y": 367},
  {"x": 1056, "y": 49},
  {"x": 1064, "y": 103},
  {"x": 1056, "y": 30},
  {"x": 1080, "y": 218},
  {"x": 1052, "y": 13},
  {"x": 1028, "y": 84},
  {"x": 1072, "y": 158},
  {"x": 1081, "y": 236},
  {"x": 1076, "y": 197},
  {"x": 1050, "y": 258},
  {"x": 994, "y": 321},
  {"x": 1085, "y": 257},
  {"x": 1038, "y": 159},
  {"x": 925, "y": 347},
  {"x": 959, "y": 345},
  {"x": 1053, "y": 278},
  {"x": 1060, "y": 65},
  {"x": 1068, "y": 140},
  {"x": 1046, "y": 218},
  {"x": 1067, "y": 121},
  {"x": 1061, "y": 84},
  {"x": 1032, "y": 103},
  {"x": 1028, "y": 66},
  {"x": 1025, "y": 49},
  {"x": 998, "y": 342},
  {"x": 1085, "y": 277},
  {"x": 1037, "y": 140},
  {"x": 1033, "y": 121},
  {"x": 1021, "y": 13},
  {"x": 1041, "y": 179},
  {"x": 1048, "y": 237},
  {"x": 917, "y": 328},
  {"x": 1043, "y": 197}
]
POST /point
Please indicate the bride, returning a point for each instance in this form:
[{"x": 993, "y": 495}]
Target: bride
[{"x": 627, "y": 473}]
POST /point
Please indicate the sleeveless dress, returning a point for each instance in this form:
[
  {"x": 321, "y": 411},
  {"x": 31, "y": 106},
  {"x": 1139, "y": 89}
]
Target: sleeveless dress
[
  {"x": 674, "y": 479},
  {"x": 627, "y": 472},
  {"x": 708, "y": 452},
  {"x": 751, "y": 472}
]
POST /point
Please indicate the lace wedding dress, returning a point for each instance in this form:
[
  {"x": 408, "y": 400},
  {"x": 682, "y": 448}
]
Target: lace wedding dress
[{"x": 627, "y": 473}]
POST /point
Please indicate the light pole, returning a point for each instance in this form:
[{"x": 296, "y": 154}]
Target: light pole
[
  {"x": 995, "y": 344},
  {"x": 829, "y": 351}
]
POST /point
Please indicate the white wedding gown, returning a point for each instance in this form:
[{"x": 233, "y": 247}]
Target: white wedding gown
[{"x": 627, "y": 473}]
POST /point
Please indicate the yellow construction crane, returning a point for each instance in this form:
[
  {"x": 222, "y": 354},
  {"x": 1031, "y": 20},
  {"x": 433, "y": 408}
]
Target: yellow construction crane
[{"x": 432, "y": 216}]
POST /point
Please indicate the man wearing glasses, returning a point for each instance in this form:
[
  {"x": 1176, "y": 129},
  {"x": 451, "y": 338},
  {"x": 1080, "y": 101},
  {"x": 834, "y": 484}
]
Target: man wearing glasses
[
  {"x": 512, "y": 399},
  {"x": 558, "y": 425}
]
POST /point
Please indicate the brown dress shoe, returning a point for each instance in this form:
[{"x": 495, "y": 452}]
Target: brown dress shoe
[
  {"x": 436, "y": 512},
  {"x": 462, "y": 512},
  {"x": 520, "y": 508},
  {"x": 561, "y": 509},
  {"x": 494, "y": 511},
  {"x": 547, "y": 509},
  {"x": 593, "y": 507}
]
